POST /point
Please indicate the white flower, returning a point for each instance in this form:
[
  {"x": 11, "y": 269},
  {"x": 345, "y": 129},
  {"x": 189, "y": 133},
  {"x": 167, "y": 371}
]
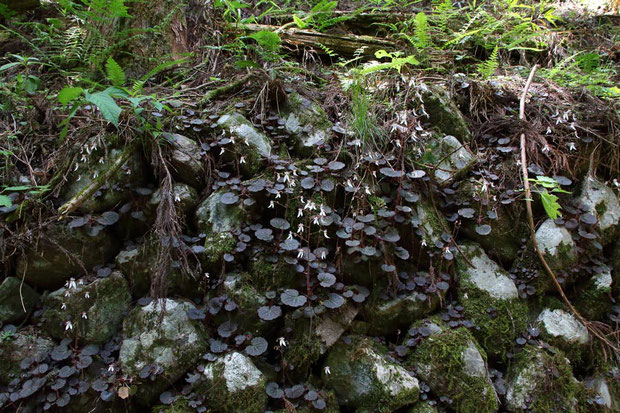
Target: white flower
[
  {"x": 111, "y": 368},
  {"x": 327, "y": 237},
  {"x": 271, "y": 205},
  {"x": 87, "y": 295},
  {"x": 101, "y": 160},
  {"x": 95, "y": 175},
  {"x": 242, "y": 160},
  {"x": 221, "y": 151},
  {"x": 572, "y": 146},
  {"x": 68, "y": 326},
  {"x": 207, "y": 275},
  {"x": 84, "y": 316},
  {"x": 367, "y": 190},
  {"x": 177, "y": 198},
  {"x": 300, "y": 254},
  {"x": 282, "y": 342},
  {"x": 300, "y": 213},
  {"x": 290, "y": 235},
  {"x": 79, "y": 177},
  {"x": 63, "y": 306},
  {"x": 300, "y": 228},
  {"x": 72, "y": 283},
  {"x": 324, "y": 253},
  {"x": 327, "y": 370},
  {"x": 315, "y": 220},
  {"x": 423, "y": 242}
]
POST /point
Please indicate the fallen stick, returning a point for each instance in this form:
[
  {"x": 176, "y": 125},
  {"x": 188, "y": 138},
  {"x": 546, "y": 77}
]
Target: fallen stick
[{"x": 530, "y": 221}]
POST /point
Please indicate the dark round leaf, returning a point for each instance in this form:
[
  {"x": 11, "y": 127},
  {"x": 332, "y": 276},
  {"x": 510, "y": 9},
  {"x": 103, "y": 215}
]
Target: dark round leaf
[
  {"x": 166, "y": 398},
  {"x": 292, "y": 298},
  {"x": 326, "y": 279},
  {"x": 466, "y": 212},
  {"x": 227, "y": 328},
  {"x": 335, "y": 165},
  {"x": 229, "y": 198},
  {"x": 307, "y": 183},
  {"x": 264, "y": 234},
  {"x": 588, "y": 219},
  {"x": 333, "y": 301},
  {"x": 483, "y": 229},
  {"x": 280, "y": 223},
  {"x": 108, "y": 218},
  {"x": 290, "y": 244},
  {"x": 274, "y": 391},
  {"x": 294, "y": 392},
  {"x": 269, "y": 313},
  {"x": 257, "y": 346}
]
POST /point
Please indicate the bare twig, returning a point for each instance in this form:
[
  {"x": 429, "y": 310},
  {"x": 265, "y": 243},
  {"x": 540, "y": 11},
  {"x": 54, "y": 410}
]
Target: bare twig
[{"x": 530, "y": 221}]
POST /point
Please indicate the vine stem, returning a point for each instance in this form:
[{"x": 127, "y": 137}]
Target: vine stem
[{"x": 530, "y": 221}]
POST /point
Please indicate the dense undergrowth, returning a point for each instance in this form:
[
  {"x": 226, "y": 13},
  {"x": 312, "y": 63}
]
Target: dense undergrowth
[{"x": 359, "y": 204}]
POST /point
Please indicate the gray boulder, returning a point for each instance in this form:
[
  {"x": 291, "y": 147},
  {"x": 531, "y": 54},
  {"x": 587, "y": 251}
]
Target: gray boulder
[
  {"x": 18, "y": 346},
  {"x": 233, "y": 384},
  {"x": 162, "y": 334},
  {"x": 57, "y": 255},
  {"x": 429, "y": 224},
  {"x": 451, "y": 159},
  {"x": 186, "y": 160},
  {"x": 366, "y": 379},
  {"x": 539, "y": 380},
  {"x": 453, "y": 365},
  {"x": 561, "y": 329},
  {"x": 185, "y": 198},
  {"x": 484, "y": 288},
  {"x": 90, "y": 313},
  {"x": 249, "y": 143},
  {"x": 601, "y": 201},
  {"x": 16, "y": 300},
  {"x": 557, "y": 245},
  {"x": 307, "y": 122}
]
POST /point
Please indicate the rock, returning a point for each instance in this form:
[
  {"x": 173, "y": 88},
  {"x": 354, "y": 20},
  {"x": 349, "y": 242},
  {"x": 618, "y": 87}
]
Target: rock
[
  {"x": 601, "y": 201},
  {"x": 313, "y": 335},
  {"x": 429, "y": 224},
  {"x": 423, "y": 407},
  {"x": 21, "y": 6},
  {"x": 234, "y": 384},
  {"x": 18, "y": 346},
  {"x": 95, "y": 311},
  {"x": 605, "y": 385},
  {"x": 113, "y": 192},
  {"x": 186, "y": 161},
  {"x": 594, "y": 298},
  {"x": 542, "y": 381},
  {"x": 451, "y": 159},
  {"x": 563, "y": 330},
  {"x": 455, "y": 351},
  {"x": 491, "y": 301},
  {"x": 218, "y": 220},
  {"x": 169, "y": 340},
  {"x": 442, "y": 112},
  {"x": 364, "y": 378},
  {"x": 265, "y": 275},
  {"x": 16, "y": 300},
  {"x": 56, "y": 256},
  {"x": 185, "y": 198},
  {"x": 132, "y": 262},
  {"x": 557, "y": 245},
  {"x": 307, "y": 122},
  {"x": 249, "y": 143},
  {"x": 386, "y": 314}
]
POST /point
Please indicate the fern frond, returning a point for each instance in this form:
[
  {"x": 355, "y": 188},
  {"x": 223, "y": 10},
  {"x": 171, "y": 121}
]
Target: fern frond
[
  {"x": 114, "y": 73},
  {"x": 487, "y": 68},
  {"x": 422, "y": 39}
]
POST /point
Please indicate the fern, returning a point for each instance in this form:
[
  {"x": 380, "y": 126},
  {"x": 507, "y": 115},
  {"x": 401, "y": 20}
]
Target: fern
[
  {"x": 327, "y": 50},
  {"x": 114, "y": 73},
  {"x": 444, "y": 11},
  {"x": 487, "y": 69},
  {"x": 422, "y": 39}
]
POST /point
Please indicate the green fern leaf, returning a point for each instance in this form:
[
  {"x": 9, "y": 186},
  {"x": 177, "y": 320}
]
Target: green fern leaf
[
  {"x": 421, "y": 30},
  {"x": 114, "y": 72},
  {"x": 487, "y": 69}
]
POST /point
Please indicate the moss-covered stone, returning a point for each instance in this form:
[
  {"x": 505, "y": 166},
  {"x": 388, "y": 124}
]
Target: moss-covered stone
[
  {"x": 16, "y": 300},
  {"x": 185, "y": 198},
  {"x": 186, "y": 161},
  {"x": 491, "y": 301},
  {"x": 561, "y": 329},
  {"x": 442, "y": 112},
  {"x": 429, "y": 223},
  {"x": 252, "y": 145},
  {"x": 601, "y": 201},
  {"x": 386, "y": 314},
  {"x": 605, "y": 386},
  {"x": 116, "y": 190},
  {"x": 16, "y": 347},
  {"x": 180, "y": 405},
  {"x": 423, "y": 407},
  {"x": 542, "y": 380},
  {"x": 366, "y": 379},
  {"x": 57, "y": 255},
  {"x": 160, "y": 333},
  {"x": 450, "y": 159},
  {"x": 453, "y": 365},
  {"x": 232, "y": 384},
  {"x": 557, "y": 245},
  {"x": 90, "y": 313},
  {"x": 307, "y": 122},
  {"x": 594, "y": 298},
  {"x": 267, "y": 275}
]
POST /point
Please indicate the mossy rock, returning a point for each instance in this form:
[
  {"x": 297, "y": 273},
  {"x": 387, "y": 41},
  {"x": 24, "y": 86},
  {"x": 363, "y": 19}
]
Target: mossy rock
[
  {"x": 304, "y": 406},
  {"x": 557, "y": 245},
  {"x": 249, "y": 143},
  {"x": 386, "y": 314},
  {"x": 313, "y": 335},
  {"x": 450, "y": 159},
  {"x": 160, "y": 333},
  {"x": 116, "y": 190},
  {"x": 94, "y": 310},
  {"x": 453, "y": 365},
  {"x": 540, "y": 380},
  {"x": 307, "y": 122},
  {"x": 605, "y": 386},
  {"x": 232, "y": 384},
  {"x": 366, "y": 379},
  {"x": 186, "y": 161},
  {"x": 57, "y": 255},
  {"x": 16, "y": 297},
  {"x": 266, "y": 275},
  {"x": 491, "y": 300},
  {"x": 443, "y": 114},
  {"x": 561, "y": 329},
  {"x": 429, "y": 223},
  {"x": 423, "y": 407},
  {"x": 184, "y": 196},
  {"x": 594, "y": 298},
  {"x": 18, "y": 346},
  {"x": 601, "y": 201}
]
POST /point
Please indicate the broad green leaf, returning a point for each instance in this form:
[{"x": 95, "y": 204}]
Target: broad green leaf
[
  {"x": 299, "y": 22},
  {"x": 106, "y": 104},
  {"x": 267, "y": 40},
  {"x": 67, "y": 94},
  {"x": 550, "y": 203},
  {"x": 9, "y": 65},
  {"x": 17, "y": 188},
  {"x": 5, "y": 201},
  {"x": 114, "y": 72}
]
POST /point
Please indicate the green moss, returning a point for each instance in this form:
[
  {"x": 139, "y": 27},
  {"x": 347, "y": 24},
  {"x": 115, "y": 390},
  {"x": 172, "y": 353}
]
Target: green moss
[
  {"x": 264, "y": 275},
  {"x": 438, "y": 360},
  {"x": 179, "y": 406},
  {"x": 216, "y": 246}
]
